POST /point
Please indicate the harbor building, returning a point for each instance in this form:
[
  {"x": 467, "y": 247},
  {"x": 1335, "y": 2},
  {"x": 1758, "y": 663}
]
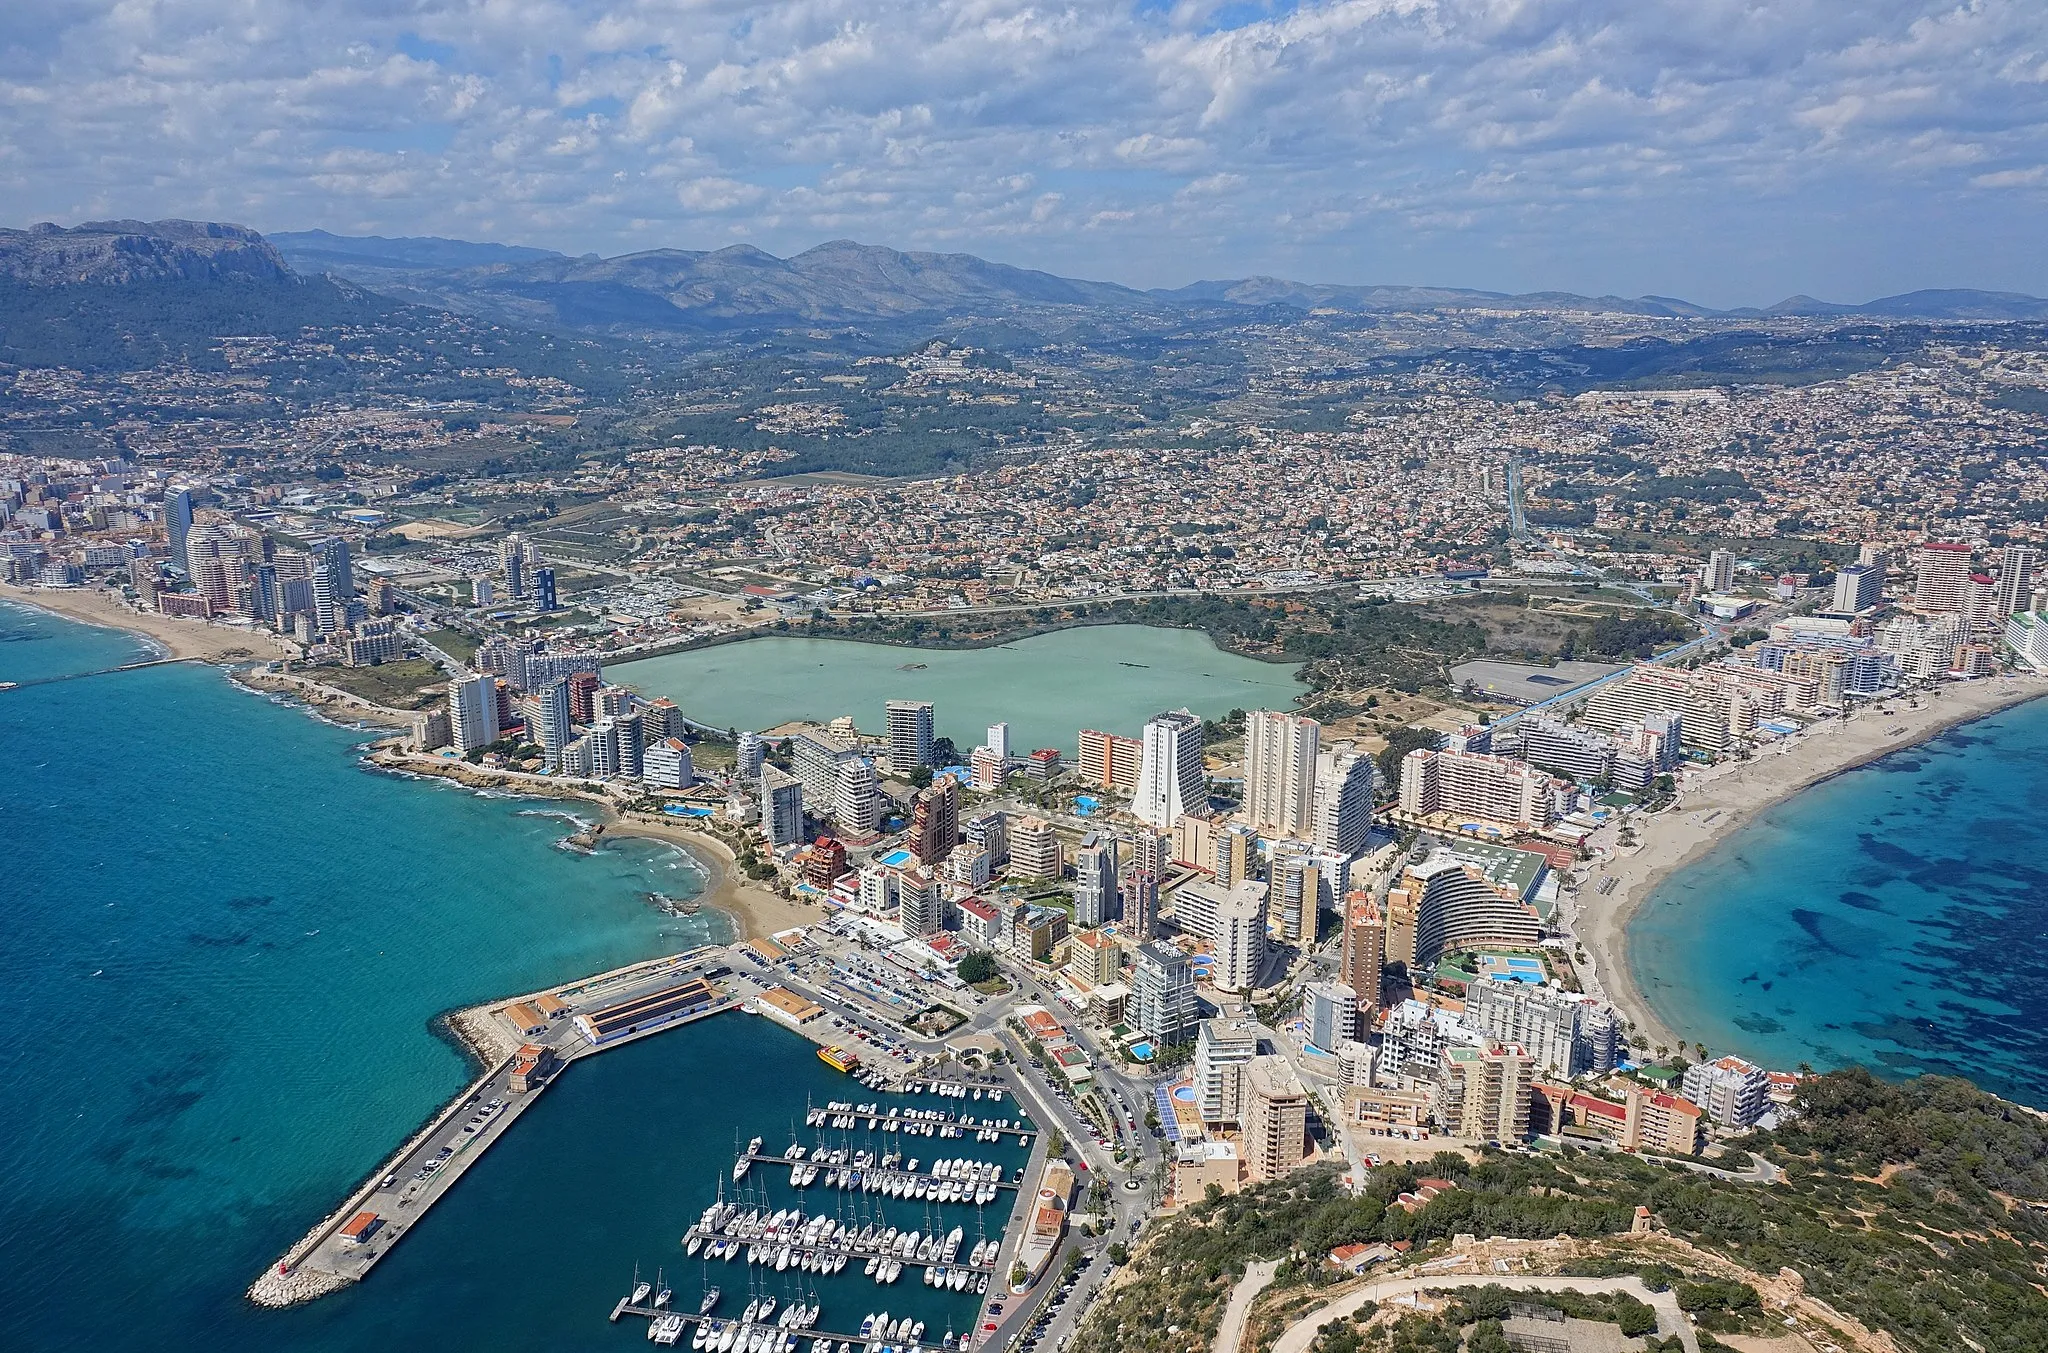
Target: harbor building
[
  {"x": 1171, "y": 779},
  {"x": 647, "y": 1010}
]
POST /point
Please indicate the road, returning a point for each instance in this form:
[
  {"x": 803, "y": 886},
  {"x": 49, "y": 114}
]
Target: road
[{"x": 1670, "y": 1320}]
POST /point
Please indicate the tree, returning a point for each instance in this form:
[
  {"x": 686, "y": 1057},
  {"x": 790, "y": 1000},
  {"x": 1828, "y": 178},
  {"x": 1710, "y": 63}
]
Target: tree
[
  {"x": 978, "y": 967},
  {"x": 1400, "y": 742}
]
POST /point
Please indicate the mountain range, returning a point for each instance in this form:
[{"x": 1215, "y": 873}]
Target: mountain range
[{"x": 841, "y": 283}]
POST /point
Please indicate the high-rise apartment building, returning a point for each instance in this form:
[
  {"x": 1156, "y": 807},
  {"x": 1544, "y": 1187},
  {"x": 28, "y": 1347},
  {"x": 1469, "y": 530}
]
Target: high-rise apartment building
[
  {"x": 544, "y": 589},
  {"x": 1151, "y": 852},
  {"x": 1543, "y": 1020},
  {"x": 1943, "y": 583},
  {"x": 1493, "y": 789},
  {"x": 989, "y": 832},
  {"x": 1141, "y": 905},
  {"x": 1035, "y": 849},
  {"x": 986, "y": 771},
  {"x": 1280, "y": 772},
  {"x": 998, "y": 740},
  {"x": 556, "y": 724},
  {"x": 1483, "y": 1094},
  {"x": 920, "y": 903},
  {"x": 1108, "y": 761},
  {"x": 2016, "y": 565},
  {"x": 1858, "y": 587},
  {"x": 667, "y": 765},
  {"x": 1733, "y": 1092},
  {"x": 1239, "y": 940},
  {"x": 1565, "y": 748},
  {"x": 512, "y": 563},
  {"x": 1274, "y": 1118},
  {"x": 178, "y": 522},
  {"x": 935, "y": 820},
  {"x": 1295, "y": 889},
  {"x": 816, "y": 756},
  {"x": 1720, "y": 572},
  {"x": 782, "y": 807},
  {"x": 1463, "y": 895},
  {"x": 747, "y": 754},
  {"x": 1095, "y": 871},
  {"x": 1343, "y": 800},
  {"x": 1163, "y": 994},
  {"x": 334, "y": 585},
  {"x": 910, "y": 735},
  {"x": 473, "y": 712},
  {"x": 1171, "y": 780},
  {"x": 1330, "y": 1013},
  {"x": 857, "y": 798},
  {"x": 1223, "y": 1048},
  {"x": 1364, "y": 955}
]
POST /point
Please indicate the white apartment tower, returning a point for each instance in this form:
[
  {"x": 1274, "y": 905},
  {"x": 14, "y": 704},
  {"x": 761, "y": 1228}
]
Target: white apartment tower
[
  {"x": 1720, "y": 572},
  {"x": 473, "y": 712},
  {"x": 1944, "y": 580},
  {"x": 1280, "y": 772},
  {"x": 2016, "y": 565},
  {"x": 1171, "y": 780},
  {"x": 1343, "y": 800},
  {"x": 910, "y": 735}
]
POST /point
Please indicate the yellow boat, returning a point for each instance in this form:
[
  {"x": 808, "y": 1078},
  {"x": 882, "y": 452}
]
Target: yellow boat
[{"x": 838, "y": 1059}]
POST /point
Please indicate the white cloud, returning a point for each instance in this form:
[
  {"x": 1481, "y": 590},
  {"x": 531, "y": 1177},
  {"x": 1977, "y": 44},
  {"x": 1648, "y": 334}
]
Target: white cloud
[{"x": 1604, "y": 144}]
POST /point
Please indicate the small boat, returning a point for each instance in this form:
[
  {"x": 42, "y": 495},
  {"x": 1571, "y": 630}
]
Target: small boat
[
  {"x": 710, "y": 1300},
  {"x": 640, "y": 1291},
  {"x": 661, "y": 1298}
]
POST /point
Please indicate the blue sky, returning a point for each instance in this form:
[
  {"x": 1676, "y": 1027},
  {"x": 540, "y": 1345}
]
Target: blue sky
[{"x": 1731, "y": 153}]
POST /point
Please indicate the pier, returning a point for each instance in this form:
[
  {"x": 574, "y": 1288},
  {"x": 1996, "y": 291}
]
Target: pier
[
  {"x": 351, "y": 1241},
  {"x": 889, "y": 1181}
]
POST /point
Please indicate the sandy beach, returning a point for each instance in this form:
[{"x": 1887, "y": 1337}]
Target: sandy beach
[
  {"x": 177, "y": 637},
  {"x": 754, "y": 910},
  {"x": 1716, "y": 802}
]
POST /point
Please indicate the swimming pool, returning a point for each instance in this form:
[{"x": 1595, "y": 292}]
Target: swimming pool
[
  {"x": 1184, "y": 1093},
  {"x": 1142, "y": 1051},
  {"x": 896, "y": 858},
  {"x": 684, "y": 810},
  {"x": 1085, "y": 806}
]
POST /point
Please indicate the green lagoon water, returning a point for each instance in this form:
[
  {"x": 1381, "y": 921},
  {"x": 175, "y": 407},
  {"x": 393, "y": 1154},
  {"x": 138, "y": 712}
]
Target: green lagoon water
[
  {"x": 1048, "y": 687},
  {"x": 226, "y": 946}
]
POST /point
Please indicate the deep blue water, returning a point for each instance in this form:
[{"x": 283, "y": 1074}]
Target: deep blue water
[
  {"x": 224, "y": 944},
  {"x": 1892, "y": 917}
]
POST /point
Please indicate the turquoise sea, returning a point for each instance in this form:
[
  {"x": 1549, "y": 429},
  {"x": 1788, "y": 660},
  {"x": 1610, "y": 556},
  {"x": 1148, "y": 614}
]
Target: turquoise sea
[
  {"x": 1893, "y": 917},
  {"x": 225, "y": 947}
]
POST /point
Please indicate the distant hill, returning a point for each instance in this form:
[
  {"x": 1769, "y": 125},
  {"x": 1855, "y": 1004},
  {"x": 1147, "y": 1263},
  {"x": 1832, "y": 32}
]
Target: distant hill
[
  {"x": 121, "y": 253},
  {"x": 314, "y": 251},
  {"x": 886, "y": 295},
  {"x": 694, "y": 290}
]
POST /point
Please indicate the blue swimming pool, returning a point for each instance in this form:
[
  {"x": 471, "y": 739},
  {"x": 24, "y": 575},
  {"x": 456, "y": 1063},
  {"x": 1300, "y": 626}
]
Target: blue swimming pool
[
  {"x": 896, "y": 858},
  {"x": 1142, "y": 1051},
  {"x": 685, "y": 810}
]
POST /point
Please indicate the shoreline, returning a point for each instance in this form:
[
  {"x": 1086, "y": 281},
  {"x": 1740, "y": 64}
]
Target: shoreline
[
  {"x": 753, "y": 911},
  {"x": 1721, "y": 801},
  {"x": 172, "y": 636}
]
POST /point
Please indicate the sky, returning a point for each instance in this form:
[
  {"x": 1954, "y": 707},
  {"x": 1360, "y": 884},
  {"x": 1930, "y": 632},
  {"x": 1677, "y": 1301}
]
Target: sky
[{"x": 1729, "y": 153}]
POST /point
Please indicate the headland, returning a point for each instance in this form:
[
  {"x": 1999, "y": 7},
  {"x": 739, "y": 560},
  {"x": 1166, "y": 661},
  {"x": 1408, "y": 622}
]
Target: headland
[{"x": 1715, "y": 803}]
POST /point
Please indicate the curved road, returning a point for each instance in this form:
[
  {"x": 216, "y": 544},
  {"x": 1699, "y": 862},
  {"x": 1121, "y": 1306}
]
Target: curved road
[{"x": 1670, "y": 1320}]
